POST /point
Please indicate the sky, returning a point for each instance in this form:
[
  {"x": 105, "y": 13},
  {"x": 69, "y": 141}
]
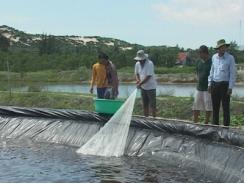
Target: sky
[{"x": 188, "y": 23}]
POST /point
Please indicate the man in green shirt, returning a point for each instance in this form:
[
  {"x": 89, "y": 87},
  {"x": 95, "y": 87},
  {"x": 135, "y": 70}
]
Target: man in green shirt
[{"x": 203, "y": 100}]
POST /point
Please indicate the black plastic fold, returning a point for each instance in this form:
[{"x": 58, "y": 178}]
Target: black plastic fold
[
  {"x": 232, "y": 136},
  {"x": 214, "y": 152},
  {"x": 50, "y": 113}
]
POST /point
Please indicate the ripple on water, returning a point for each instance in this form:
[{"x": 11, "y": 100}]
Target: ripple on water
[{"x": 26, "y": 161}]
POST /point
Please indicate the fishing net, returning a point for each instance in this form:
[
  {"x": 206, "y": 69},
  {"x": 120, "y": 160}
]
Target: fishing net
[{"x": 111, "y": 139}]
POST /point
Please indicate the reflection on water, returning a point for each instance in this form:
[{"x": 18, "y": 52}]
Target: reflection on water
[
  {"x": 26, "y": 161},
  {"x": 184, "y": 90}
]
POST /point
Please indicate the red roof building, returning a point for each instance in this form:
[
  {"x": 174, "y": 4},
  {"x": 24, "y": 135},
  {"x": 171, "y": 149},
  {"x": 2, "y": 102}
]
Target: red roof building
[{"x": 181, "y": 58}]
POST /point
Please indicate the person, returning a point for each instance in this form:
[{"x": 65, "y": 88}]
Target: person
[
  {"x": 99, "y": 77},
  {"x": 145, "y": 79},
  {"x": 112, "y": 78},
  {"x": 221, "y": 81},
  {"x": 203, "y": 100}
]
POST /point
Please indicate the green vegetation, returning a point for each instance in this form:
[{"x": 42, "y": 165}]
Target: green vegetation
[
  {"x": 126, "y": 74},
  {"x": 48, "y": 76},
  {"x": 47, "y": 100},
  {"x": 175, "y": 70},
  {"x": 47, "y": 58},
  {"x": 35, "y": 52},
  {"x": 163, "y": 70},
  {"x": 168, "y": 106}
]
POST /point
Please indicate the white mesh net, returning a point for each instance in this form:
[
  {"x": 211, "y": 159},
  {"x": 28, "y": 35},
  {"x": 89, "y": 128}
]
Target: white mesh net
[{"x": 111, "y": 139}]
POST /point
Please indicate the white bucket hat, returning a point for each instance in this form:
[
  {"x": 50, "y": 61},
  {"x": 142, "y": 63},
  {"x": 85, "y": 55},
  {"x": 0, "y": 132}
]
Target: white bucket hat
[{"x": 141, "y": 56}]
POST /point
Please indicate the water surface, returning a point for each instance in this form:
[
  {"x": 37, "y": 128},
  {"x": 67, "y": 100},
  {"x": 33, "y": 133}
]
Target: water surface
[
  {"x": 26, "y": 161},
  {"x": 181, "y": 90}
]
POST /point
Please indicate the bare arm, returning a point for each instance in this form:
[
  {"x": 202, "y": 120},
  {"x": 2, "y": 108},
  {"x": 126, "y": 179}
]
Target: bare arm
[
  {"x": 137, "y": 77},
  {"x": 92, "y": 80},
  {"x": 143, "y": 81}
]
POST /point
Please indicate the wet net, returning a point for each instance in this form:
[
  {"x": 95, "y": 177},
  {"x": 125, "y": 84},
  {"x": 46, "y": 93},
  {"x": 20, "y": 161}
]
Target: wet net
[{"x": 111, "y": 139}]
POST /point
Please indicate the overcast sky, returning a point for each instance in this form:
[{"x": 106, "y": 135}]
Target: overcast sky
[{"x": 188, "y": 23}]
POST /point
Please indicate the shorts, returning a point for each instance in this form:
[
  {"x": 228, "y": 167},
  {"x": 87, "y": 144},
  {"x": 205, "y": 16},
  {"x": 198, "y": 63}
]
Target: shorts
[
  {"x": 203, "y": 101},
  {"x": 149, "y": 98}
]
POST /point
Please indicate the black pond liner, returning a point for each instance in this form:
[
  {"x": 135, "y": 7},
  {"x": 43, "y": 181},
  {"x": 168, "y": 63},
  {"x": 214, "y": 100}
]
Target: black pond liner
[{"x": 216, "y": 152}]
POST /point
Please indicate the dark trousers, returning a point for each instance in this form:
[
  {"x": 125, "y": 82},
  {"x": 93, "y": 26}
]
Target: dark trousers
[
  {"x": 101, "y": 92},
  {"x": 149, "y": 98},
  {"x": 219, "y": 94}
]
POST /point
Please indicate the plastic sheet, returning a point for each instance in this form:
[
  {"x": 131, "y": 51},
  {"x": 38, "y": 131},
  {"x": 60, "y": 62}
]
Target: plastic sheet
[
  {"x": 111, "y": 139},
  {"x": 232, "y": 136},
  {"x": 216, "y": 152}
]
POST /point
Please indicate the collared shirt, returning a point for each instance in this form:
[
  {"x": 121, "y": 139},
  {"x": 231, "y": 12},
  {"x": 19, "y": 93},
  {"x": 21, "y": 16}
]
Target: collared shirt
[
  {"x": 223, "y": 69},
  {"x": 146, "y": 70},
  {"x": 112, "y": 76}
]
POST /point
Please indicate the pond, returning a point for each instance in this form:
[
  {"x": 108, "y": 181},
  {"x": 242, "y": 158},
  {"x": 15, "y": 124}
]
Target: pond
[
  {"x": 26, "y": 161},
  {"x": 183, "y": 90}
]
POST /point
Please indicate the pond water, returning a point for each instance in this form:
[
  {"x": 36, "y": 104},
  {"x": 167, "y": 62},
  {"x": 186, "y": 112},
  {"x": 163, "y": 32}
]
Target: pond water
[
  {"x": 26, "y": 161},
  {"x": 183, "y": 90}
]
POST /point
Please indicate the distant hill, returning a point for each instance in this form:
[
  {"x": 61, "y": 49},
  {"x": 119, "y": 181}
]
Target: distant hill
[
  {"x": 21, "y": 39},
  {"x": 35, "y": 52}
]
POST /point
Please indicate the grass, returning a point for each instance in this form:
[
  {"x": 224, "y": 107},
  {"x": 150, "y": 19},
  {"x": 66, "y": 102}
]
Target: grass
[
  {"x": 48, "y": 100},
  {"x": 163, "y": 70},
  {"x": 168, "y": 106},
  {"x": 175, "y": 70},
  {"x": 48, "y": 76},
  {"x": 164, "y": 74}
]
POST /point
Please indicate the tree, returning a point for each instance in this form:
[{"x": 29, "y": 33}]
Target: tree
[
  {"x": 233, "y": 46},
  {"x": 47, "y": 45},
  {"x": 234, "y": 50},
  {"x": 4, "y": 43}
]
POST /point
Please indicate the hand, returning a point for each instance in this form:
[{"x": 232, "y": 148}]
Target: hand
[
  {"x": 115, "y": 92},
  {"x": 91, "y": 90},
  {"x": 229, "y": 92},
  {"x": 209, "y": 89},
  {"x": 139, "y": 86},
  {"x": 138, "y": 81}
]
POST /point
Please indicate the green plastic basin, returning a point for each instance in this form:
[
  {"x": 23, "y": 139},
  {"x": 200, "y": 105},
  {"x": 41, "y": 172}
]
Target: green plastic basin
[{"x": 107, "y": 106}]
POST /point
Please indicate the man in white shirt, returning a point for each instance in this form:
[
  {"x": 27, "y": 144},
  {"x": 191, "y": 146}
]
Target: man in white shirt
[
  {"x": 221, "y": 81},
  {"x": 145, "y": 78}
]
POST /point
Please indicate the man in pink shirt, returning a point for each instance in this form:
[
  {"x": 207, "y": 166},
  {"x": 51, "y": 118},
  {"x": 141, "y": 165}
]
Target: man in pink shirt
[{"x": 112, "y": 78}]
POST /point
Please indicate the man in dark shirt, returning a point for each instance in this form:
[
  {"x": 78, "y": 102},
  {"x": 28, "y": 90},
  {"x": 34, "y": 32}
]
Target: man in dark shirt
[{"x": 203, "y": 100}]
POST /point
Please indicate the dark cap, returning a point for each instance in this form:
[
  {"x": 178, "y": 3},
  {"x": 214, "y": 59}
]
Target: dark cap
[
  {"x": 103, "y": 56},
  {"x": 204, "y": 49}
]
